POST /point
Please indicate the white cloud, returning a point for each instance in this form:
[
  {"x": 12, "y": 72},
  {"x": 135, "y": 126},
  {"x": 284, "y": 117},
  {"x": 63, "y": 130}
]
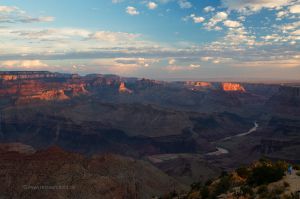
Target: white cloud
[
  {"x": 175, "y": 68},
  {"x": 295, "y": 9},
  {"x": 297, "y": 32},
  {"x": 8, "y": 9},
  {"x": 172, "y": 61},
  {"x": 232, "y": 24},
  {"x": 219, "y": 17},
  {"x": 206, "y": 58},
  {"x": 279, "y": 63},
  {"x": 12, "y": 14},
  {"x": 195, "y": 65},
  {"x": 254, "y": 5},
  {"x": 281, "y": 14},
  {"x": 197, "y": 19},
  {"x": 184, "y": 4},
  {"x": 152, "y": 5},
  {"x": 27, "y": 64},
  {"x": 135, "y": 62},
  {"x": 132, "y": 10},
  {"x": 209, "y": 9},
  {"x": 112, "y": 36}
]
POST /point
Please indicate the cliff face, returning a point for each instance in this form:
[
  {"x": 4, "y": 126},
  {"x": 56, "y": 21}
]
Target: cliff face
[
  {"x": 25, "y": 87},
  {"x": 123, "y": 89},
  {"x": 287, "y": 101},
  {"x": 199, "y": 84},
  {"x": 228, "y": 87}
]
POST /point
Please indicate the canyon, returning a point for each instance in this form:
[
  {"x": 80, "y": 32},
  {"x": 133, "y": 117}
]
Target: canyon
[{"x": 172, "y": 129}]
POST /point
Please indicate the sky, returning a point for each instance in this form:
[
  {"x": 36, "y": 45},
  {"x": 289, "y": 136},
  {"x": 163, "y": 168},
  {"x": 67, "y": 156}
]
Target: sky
[{"x": 158, "y": 39}]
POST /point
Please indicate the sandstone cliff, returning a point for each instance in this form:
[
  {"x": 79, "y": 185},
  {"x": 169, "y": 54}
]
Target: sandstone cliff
[{"x": 228, "y": 87}]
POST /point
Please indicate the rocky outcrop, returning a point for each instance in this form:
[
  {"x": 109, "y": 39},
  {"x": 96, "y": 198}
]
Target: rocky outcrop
[
  {"x": 27, "y": 87},
  {"x": 229, "y": 87},
  {"x": 50, "y": 95},
  {"x": 199, "y": 84},
  {"x": 123, "y": 89}
]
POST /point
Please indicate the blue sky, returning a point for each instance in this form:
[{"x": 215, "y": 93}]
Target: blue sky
[{"x": 192, "y": 39}]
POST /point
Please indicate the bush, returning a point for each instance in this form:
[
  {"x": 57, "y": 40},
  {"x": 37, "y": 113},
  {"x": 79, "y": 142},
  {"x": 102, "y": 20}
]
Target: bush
[
  {"x": 243, "y": 172},
  {"x": 266, "y": 173},
  {"x": 224, "y": 185}
]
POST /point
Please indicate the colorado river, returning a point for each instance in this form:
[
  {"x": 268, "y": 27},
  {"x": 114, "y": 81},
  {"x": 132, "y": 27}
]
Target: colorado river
[
  {"x": 253, "y": 129},
  {"x": 221, "y": 151}
]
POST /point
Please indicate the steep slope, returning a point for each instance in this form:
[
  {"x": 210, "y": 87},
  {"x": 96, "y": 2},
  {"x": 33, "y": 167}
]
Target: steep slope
[{"x": 54, "y": 173}]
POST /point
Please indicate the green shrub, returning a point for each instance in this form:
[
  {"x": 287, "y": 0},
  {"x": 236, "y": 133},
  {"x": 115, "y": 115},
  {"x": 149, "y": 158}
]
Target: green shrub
[
  {"x": 266, "y": 173},
  {"x": 224, "y": 185},
  {"x": 243, "y": 172}
]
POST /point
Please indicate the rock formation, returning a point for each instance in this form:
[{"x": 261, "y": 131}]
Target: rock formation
[
  {"x": 229, "y": 87},
  {"x": 199, "y": 84},
  {"x": 123, "y": 89}
]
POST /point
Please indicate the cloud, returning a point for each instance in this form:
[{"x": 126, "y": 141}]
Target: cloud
[
  {"x": 281, "y": 14},
  {"x": 152, "y": 5},
  {"x": 184, "y": 4},
  {"x": 279, "y": 63},
  {"x": 132, "y": 10},
  {"x": 295, "y": 9},
  {"x": 209, "y": 9},
  {"x": 71, "y": 35},
  {"x": 8, "y": 9},
  {"x": 195, "y": 65},
  {"x": 254, "y": 5},
  {"x": 175, "y": 68},
  {"x": 232, "y": 24},
  {"x": 297, "y": 32},
  {"x": 172, "y": 61},
  {"x": 197, "y": 19},
  {"x": 136, "y": 62},
  {"x": 121, "y": 65},
  {"x": 12, "y": 14},
  {"x": 26, "y": 64},
  {"x": 218, "y": 17},
  {"x": 112, "y": 36},
  {"x": 36, "y": 19}
]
